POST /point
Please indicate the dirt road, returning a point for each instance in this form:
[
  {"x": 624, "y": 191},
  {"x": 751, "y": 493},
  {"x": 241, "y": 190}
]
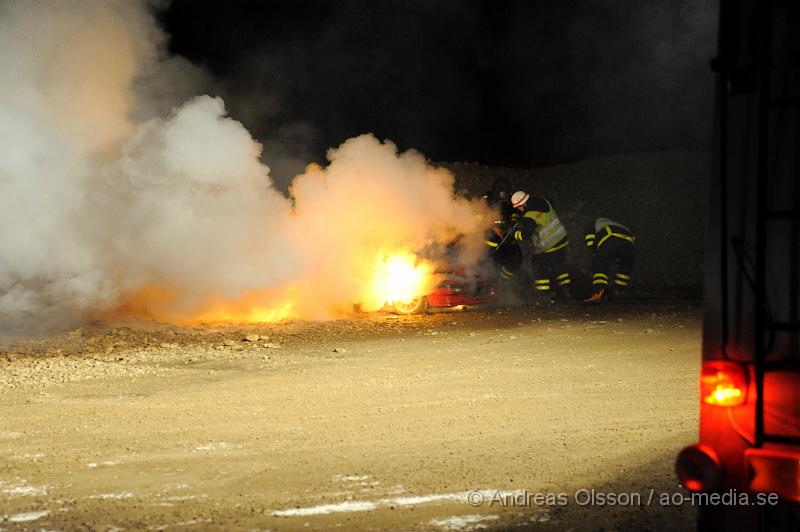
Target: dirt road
[{"x": 494, "y": 418}]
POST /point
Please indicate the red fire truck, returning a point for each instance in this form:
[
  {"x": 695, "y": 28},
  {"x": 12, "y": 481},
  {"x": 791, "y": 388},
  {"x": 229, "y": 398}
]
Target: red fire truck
[{"x": 750, "y": 379}]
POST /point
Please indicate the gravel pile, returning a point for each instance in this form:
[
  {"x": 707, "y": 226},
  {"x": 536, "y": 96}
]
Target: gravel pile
[{"x": 661, "y": 196}]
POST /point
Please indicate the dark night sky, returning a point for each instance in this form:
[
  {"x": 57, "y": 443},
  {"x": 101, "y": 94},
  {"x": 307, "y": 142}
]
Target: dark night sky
[{"x": 502, "y": 83}]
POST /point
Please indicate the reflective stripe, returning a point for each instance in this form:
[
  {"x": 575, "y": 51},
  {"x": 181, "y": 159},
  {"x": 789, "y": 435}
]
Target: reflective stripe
[
  {"x": 562, "y": 276},
  {"x": 610, "y": 233},
  {"x": 492, "y": 244},
  {"x": 589, "y": 239},
  {"x": 543, "y": 288},
  {"x": 557, "y": 247},
  {"x": 621, "y": 283},
  {"x": 601, "y": 223},
  {"x": 518, "y": 235},
  {"x": 552, "y": 232},
  {"x": 590, "y": 236},
  {"x": 605, "y": 237},
  {"x": 599, "y": 281},
  {"x": 623, "y": 276},
  {"x": 542, "y": 281},
  {"x": 604, "y": 276},
  {"x": 506, "y": 276},
  {"x": 552, "y": 225},
  {"x": 549, "y": 228},
  {"x": 505, "y": 273},
  {"x": 564, "y": 281}
]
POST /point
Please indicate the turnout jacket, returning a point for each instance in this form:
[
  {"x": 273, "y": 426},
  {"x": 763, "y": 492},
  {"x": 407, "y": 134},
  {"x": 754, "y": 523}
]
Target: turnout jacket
[
  {"x": 602, "y": 229},
  {"x": 540, "y": 225}
]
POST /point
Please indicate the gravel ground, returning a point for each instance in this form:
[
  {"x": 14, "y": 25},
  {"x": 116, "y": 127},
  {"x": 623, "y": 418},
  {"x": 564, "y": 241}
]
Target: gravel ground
[{"x": 495, "y": 418}]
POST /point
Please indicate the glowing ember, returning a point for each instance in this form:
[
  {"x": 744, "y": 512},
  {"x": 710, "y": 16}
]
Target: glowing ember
[{"x": 400, "y": 278}]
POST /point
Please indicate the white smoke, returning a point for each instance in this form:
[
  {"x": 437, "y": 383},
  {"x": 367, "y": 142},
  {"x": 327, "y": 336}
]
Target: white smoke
[
  {"x": 371, "y": 199},
  {"x": 106, "y": 203},
  {"x": 192, "y": 207},
  {"x": 63, "y": 108}
]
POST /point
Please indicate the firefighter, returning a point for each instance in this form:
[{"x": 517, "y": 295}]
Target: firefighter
[
  {"x": 499, "y": 196},
  {"x": 539, "y": 224},
  {"x": 611, "y": 243},
  {"x": 505, "y": 252}
]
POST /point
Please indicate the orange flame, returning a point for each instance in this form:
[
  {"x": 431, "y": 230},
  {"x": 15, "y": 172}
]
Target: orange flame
[
  {"x": 158, "y": 303},
  {"x": 386, "y": 278},
  {"x": 237, "y": 312}
]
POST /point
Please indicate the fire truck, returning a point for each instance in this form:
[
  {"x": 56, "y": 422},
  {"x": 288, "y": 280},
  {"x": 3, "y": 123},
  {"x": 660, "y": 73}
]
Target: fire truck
[{"x": 749, "y": 441}]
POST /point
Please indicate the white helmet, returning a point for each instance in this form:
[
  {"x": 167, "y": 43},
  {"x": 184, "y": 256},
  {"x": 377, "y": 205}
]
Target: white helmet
[{"x": 519, "y": 198}]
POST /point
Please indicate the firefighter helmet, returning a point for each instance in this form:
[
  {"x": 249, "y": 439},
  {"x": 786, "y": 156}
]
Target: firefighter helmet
[{"x": 519, "y": 198}]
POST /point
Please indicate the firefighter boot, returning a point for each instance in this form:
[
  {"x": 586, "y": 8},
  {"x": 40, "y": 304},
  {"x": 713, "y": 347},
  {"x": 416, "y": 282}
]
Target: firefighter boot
[{"x": 595, "y": 299}]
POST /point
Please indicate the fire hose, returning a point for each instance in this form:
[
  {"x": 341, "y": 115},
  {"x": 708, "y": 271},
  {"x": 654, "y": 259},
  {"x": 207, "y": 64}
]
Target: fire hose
[{"x": 508, "y": 234}]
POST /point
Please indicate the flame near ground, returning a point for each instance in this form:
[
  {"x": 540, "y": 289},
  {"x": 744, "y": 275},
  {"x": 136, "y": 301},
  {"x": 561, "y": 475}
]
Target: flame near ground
[
  {"x": 398, "y": 277},
  {"x": 173, "y": 216}
]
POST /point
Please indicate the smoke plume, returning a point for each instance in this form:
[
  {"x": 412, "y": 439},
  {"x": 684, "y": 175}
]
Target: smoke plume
[{"x": 109, "y": 204}]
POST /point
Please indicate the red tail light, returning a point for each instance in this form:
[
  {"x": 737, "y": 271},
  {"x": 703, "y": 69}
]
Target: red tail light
[
  {"x": 698, "y": 468},
  {"x": 723, "y": 383}
]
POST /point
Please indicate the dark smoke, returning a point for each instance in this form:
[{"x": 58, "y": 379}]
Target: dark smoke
[{"x": 503, "y": 83}]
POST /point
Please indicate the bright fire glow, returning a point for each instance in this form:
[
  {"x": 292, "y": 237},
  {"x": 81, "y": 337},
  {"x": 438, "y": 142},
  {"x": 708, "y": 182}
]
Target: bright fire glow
[{"x": 399, "y": 278}]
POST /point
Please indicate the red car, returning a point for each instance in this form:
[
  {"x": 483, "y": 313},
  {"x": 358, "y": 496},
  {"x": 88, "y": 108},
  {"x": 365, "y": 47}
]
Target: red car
[{"x": 459, "y": 288}]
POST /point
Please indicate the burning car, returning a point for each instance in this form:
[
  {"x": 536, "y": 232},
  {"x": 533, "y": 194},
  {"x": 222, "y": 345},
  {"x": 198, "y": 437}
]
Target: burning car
[{"x": 456, "y": 288}]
